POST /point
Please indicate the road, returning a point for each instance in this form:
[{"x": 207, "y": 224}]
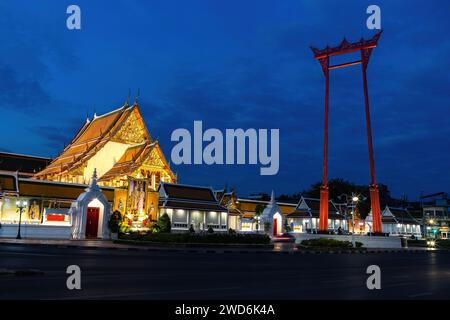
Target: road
[{"x": 117, "y": 274}]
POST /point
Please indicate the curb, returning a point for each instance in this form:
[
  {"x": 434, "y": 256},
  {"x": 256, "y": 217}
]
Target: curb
[{"x": 223, "y": 250}]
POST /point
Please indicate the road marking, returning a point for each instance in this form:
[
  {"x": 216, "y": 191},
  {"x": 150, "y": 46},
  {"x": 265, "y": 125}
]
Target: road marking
[
  {"x": 118, "y": 295},
  {"x": 32, "y": 254},
  {"x": 332, "y": 281},
  {"x": 399, "y": 284},
  {"x": 420, "y": 294}
]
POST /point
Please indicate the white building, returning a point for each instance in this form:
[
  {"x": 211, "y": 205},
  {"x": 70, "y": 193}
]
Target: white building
[
  {"x": 271, "y": 220},
  {"x": 193, "y": 206},
  {"x": 306, "y": 216},
  {"x": 397, "y": 222}
]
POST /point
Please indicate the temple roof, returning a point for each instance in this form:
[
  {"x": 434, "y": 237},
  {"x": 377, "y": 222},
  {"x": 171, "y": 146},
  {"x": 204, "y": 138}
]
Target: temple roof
[
  {"x": 310, "y": 207},
  {"x": 133, "y": 158},
  {"x": 24, "y": 164},
  {"x": 92, "y": 136},
  {"x": 188, "y": 197},
  {"x": 397, "y": 215}
]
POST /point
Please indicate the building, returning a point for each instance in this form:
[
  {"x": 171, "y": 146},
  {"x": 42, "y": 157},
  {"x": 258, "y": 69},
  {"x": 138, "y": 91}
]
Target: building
[
  {"x": 26, "y": 166},
  {"x": 47, "y": 211},
  {"x": 243, "y": 212},
  {"x": 192, "y": 206},
  {"x": 130, "y": 166},
  {"x": 436, "y": 215},
  {"x": 305, "y": 217},
  {"x": 399, "y": 222},
  {"x": 271, "y": 220},
  {"x": 119, "y": 146}
]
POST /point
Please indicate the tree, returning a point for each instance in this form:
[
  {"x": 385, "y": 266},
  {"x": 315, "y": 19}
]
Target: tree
[
  {"x": 339, "y": 186},
  {"x": 163, "y": 223},
  {"x": 114, "y": 222}
]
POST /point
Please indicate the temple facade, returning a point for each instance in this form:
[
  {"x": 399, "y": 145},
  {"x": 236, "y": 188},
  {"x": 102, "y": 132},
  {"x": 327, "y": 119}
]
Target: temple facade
[{"x": 129, "y": 164}]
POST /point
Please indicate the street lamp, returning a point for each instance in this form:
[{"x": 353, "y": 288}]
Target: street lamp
[
  {"x": 20, "y": 206},
  {"x": 355, "y": 199}
]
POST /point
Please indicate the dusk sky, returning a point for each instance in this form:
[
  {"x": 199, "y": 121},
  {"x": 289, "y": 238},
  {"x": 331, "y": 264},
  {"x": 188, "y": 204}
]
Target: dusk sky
[{"x": 237, "y": 64}]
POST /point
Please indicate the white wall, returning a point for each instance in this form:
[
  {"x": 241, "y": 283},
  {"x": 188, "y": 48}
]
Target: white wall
[
  {"x": 368, "y": 242},
  {"x": 104, "y": 159},
  {"x": 36, "y": 231}
]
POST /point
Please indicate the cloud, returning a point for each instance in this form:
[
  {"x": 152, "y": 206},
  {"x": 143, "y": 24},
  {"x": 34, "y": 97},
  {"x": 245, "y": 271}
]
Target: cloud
[{"x": 20, "y": 94}]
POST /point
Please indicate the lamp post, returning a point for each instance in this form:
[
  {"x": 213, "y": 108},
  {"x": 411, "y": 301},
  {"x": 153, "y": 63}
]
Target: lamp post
[
  {"x": 354, "y": 200},
  {"x": 20, "y": 205}
]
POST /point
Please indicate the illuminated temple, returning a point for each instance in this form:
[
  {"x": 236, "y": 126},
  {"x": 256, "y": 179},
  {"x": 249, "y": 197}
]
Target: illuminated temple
[
  {"x": 120, "y": 148},
  {"x": 129, "y": 165}
]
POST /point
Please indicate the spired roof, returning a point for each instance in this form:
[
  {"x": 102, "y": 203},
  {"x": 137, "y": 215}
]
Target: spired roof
[
  {"x": 134, "y": 157},
  {"x": 187, "y": 192},
  {"x": 397, "y": 215},
  {"x": 22, "y": 163},
  {"x": 188, "y": 197},
  {"x": 310, "y": 207},
  {"x": 93, "y": 135}
]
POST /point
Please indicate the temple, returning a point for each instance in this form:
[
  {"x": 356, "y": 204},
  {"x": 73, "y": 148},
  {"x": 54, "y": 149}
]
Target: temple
[{"x": 129, "y": 167}]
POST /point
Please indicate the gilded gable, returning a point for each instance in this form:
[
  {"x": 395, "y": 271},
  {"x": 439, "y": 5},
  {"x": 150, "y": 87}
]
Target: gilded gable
[{"x": 132, "y": 131}]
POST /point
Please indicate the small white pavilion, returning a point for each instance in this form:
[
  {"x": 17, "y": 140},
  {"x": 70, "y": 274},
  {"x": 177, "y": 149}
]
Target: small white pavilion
[{"x": 272, "y": 217}]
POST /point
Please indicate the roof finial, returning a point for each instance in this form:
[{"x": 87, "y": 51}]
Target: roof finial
[
  {"x": 128, "y": 99},
  {"x": 95, "y": 113},
  {"x": 94, "y": 186},
  {"x": 137, "y": 97},
  {"x": 272, "y": 198}
]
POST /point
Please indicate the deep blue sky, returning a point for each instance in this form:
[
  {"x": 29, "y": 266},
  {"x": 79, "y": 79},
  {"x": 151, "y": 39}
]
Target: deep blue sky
[{"x": 236, "y": 64}]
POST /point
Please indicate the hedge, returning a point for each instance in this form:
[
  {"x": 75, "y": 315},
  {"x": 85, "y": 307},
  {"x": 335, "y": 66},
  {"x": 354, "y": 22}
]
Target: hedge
[
  {"x": 329, "y": 243},
  {"x": 198, "y": 238}
]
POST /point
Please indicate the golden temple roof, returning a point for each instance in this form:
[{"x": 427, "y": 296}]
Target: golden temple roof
[
  {"x": 134, "y": 157},
  {"x": 92, "y": 136}
]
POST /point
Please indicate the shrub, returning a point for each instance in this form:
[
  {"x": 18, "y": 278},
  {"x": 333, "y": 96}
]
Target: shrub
[
  {"x": 329, "y": 243},
  {"x": 210, "y": 230},
  {"x": 443, "y": 243},
  {"x": 417, "y": 243},
  {"x": 220, "y": 238},
  {"x": 114, "y": 222},
  {"x": 231, "y": 231},
  {"x": 163, "y": 223},
  {"x": 287, "y": 227}
]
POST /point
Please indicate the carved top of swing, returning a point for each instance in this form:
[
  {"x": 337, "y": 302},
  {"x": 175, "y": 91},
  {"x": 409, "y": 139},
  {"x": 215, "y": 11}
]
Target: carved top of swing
[{"x": 346, "y": 47}]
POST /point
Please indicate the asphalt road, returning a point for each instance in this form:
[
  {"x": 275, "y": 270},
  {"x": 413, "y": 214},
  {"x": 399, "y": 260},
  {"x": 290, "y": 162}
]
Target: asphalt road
[{"x": 116, "y": 274}]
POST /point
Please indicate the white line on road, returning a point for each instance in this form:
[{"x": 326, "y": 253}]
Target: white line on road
[
  {"x": 420, "y": 294},
  {"x": 32, "y": 254},
  {"x": 119, "y": 295}
]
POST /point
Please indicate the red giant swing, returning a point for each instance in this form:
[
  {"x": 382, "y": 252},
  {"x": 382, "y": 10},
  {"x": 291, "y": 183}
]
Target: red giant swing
[{"x": 323, "y": 56}]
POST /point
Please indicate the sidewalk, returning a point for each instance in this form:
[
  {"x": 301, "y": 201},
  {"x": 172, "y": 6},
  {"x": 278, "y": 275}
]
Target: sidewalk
[{"x": 286, "y": 248}]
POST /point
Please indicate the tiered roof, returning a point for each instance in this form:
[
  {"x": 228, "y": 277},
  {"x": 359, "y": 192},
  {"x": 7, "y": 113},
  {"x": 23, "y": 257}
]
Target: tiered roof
[
  {"x": 93, "y": 135},
  {"x": 397, "y": 215},
  {"x": 310, "y": 207},
  {"x": 188, "y": 197}
]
